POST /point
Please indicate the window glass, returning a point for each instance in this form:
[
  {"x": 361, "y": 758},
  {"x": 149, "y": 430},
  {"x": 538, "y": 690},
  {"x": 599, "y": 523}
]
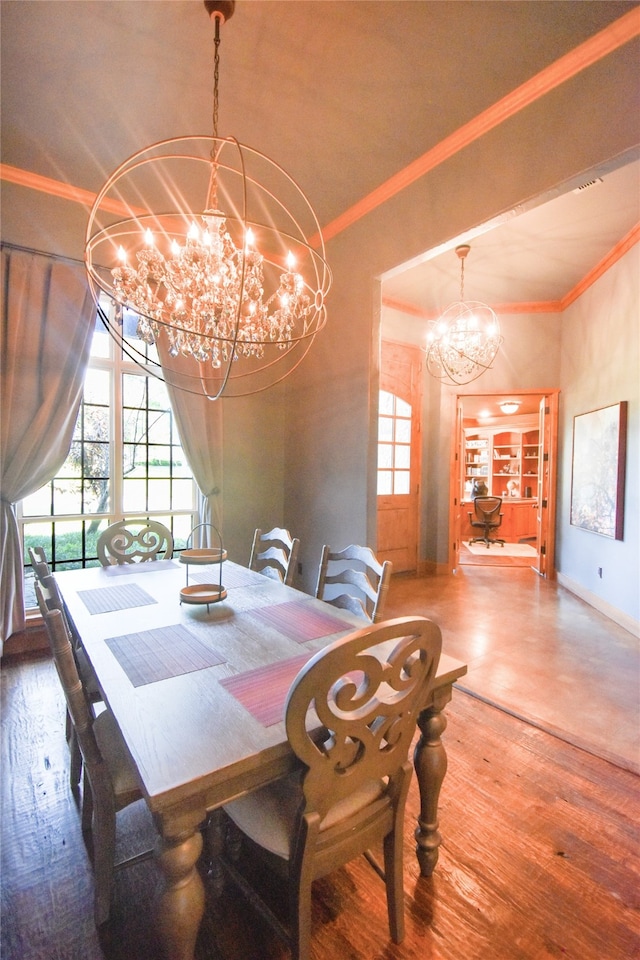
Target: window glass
[
  {"x": 125, "y": 459},
  {"x": 403, "y": 431},
  {"x": 385, "y": 481},
  {"x": 385, "y": 429},
  {"x": 401, "y": 482},
  {"x": 394, "y": 445}
]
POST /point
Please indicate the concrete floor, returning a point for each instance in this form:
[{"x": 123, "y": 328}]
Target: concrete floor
[{"x": 537, "y": 651}]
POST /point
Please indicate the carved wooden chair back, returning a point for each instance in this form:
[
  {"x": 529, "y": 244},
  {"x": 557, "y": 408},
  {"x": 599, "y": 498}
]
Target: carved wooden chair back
[
  {"x": 275, "y": 554},
  {"x": 134, "y": 541},
  {"x": 355, "y": 580},
  {"x": 366, "y": 691},
  {"x": 109, "y": 778}
]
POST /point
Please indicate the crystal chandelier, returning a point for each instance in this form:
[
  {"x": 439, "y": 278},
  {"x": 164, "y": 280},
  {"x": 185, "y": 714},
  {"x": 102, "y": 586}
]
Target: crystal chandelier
[
  {"x": 464, "y": 341},
  {"x": 231, "y": 294}
]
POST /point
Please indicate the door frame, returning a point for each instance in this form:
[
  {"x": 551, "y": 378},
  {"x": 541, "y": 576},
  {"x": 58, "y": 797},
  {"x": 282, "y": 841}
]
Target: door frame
[{"x": 547, "y": 493}]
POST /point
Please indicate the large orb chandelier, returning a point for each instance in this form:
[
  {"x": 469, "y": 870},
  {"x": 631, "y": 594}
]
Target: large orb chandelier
[
  {"x": 219, "y": 255},
  {"x": 465, "y": 339}
]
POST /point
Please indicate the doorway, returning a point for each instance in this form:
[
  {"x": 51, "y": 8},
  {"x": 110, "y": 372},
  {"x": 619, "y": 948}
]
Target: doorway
[{"x": 505, "y": 447}]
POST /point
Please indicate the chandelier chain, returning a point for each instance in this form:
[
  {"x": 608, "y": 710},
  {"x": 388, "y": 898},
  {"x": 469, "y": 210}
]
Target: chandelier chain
[
  {"x": 216, "y": 76},
  {"x": 219, "y": 285}
]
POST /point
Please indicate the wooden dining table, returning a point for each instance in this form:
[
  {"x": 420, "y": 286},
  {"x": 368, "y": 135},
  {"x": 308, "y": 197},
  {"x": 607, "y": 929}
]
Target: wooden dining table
[{"x": 198, "y": 693}]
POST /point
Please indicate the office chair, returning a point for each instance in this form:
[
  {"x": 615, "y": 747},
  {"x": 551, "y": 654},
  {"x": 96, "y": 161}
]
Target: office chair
[{"x": 488, "y": 518}]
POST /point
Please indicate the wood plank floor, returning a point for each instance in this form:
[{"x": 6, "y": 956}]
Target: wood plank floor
[{"x": 540, "y": 858}]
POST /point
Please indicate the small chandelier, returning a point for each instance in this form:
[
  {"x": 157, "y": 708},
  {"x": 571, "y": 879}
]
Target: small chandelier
[
  {"x": 231, "y": 293},
  {"x": 464, "y": 341}
]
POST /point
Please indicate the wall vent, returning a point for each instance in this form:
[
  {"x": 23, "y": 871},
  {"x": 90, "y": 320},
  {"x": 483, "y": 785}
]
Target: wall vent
[{"x": 588, "y": 185}]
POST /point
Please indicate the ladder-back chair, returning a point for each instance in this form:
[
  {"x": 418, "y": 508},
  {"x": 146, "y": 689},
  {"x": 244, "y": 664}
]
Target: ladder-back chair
[
  {"x": 109, "y": 783},
  {"x": 355, "y": 580},
  {"x": 49, "y": 598},
  {"x": 275, "y": 554}
]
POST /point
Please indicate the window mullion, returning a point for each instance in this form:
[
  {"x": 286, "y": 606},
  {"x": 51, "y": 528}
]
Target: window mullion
[{"x": 116, "y": 446}]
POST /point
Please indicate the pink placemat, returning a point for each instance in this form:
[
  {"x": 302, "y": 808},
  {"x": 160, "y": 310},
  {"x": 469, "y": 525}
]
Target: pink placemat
[
  {"x": 159, "y": 654},
  {"x": 300, "y": 621},
  {"x": 264, "y": 690}
]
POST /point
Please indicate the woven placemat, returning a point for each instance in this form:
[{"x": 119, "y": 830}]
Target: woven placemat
[
  {"x": 161, "y": 653},
  {"x": 300, "y": 621},
  {"x": 108, "y": 599},
  {"x": 264, "y": 690}
]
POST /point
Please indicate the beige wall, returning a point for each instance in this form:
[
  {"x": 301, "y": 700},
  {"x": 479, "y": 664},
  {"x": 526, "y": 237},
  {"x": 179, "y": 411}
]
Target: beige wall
[
  {"x": 330, "y": 406},
  {"x": 601, "y": 366},
  {"x": 253, "y": 469}
]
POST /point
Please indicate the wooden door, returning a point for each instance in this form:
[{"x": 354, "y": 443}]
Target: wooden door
[
  {"x": 547, "y": 471},
  {"x": 399, "y": 426}
]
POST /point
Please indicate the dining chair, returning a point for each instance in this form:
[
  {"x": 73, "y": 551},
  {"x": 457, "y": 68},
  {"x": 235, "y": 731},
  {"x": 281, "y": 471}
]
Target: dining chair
[
  {"x": 366, "y": 690},
  {"x": 134, "y": 541},
  {"x": 39, "y": 563},
  {"x": 355, "y": 580},
  {"x": 275, "y": 554},
  {"x": 49, "y": 598},
  {"x": 109, "y": 782}
]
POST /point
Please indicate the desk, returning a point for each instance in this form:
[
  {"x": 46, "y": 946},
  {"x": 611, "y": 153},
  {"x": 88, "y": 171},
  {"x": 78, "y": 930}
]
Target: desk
[{"x": 195, "y": 746}]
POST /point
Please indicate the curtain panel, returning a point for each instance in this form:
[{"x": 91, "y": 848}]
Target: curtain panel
[
  {"x": 200, "y": 427},
  {"x": 48, "y": 319}
]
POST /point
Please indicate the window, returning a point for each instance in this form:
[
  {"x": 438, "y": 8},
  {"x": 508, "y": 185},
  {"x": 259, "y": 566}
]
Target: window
[
  {"x": 394, "y": 445},
  {"x": 125, "y": 460}
]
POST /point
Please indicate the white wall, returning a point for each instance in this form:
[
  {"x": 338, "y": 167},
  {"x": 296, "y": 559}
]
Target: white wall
[{"x": 601, "y": 366}]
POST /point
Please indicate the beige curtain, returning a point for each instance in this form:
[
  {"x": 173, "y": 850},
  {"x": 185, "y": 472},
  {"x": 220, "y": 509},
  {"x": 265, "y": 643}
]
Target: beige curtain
[
  {"x": 47, "y": 325},
  {"x": 200, "y": 426}
]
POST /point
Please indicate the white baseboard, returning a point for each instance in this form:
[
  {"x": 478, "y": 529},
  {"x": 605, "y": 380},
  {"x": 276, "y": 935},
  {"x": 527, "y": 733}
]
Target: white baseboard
[{"x": 618, "y": 616}]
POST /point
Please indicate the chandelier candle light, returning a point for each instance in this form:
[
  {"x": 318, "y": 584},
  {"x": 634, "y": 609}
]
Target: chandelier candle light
[
  {"x": 231, "y": 294},
  {"x": 464, "y": 341}
]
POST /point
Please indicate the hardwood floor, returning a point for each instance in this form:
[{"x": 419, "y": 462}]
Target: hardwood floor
[
  {"x": 537, "y": 651},
  {"x": 540, "y": 855}
]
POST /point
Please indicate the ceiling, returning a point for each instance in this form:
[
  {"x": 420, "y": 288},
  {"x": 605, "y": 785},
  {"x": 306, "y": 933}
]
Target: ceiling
[
  {"x": 528, "y": 257},
  {"x": 343, "y": 94}
]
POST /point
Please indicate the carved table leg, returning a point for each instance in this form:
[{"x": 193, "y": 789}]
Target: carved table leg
[
  {"x": 214, "y": 841},
  {"x": 182, "y": 905},
  {"x": 430, "y": 762}
]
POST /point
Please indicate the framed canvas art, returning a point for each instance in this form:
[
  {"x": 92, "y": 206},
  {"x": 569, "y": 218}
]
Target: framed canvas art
[{"x": 598, "y": 470}]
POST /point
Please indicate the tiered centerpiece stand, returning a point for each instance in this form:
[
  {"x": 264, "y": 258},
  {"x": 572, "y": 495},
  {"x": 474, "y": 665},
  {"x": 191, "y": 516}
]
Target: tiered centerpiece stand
[{"x": 203, "y": 593}]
